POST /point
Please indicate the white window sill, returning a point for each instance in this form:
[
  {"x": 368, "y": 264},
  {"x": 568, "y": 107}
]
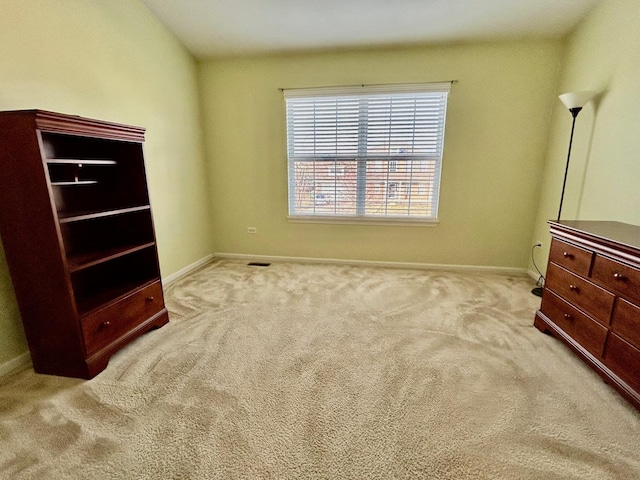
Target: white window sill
[{"x": 346, "y": 220}]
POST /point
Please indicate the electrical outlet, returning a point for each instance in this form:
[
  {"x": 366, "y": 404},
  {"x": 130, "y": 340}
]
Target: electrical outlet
[{"x": 252, "y": 230}]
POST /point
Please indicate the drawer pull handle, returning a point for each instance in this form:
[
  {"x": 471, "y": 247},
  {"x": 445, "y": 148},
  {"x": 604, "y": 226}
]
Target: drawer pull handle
[
  {"x": 567, "y": 255},
  {"x": 618, "y": 276},
  {"x": 148, "y": 299},
  {"x": 105, "y": 324},
  {"x": 567, "y": 316},
  {"x": 573, "y": 288}
]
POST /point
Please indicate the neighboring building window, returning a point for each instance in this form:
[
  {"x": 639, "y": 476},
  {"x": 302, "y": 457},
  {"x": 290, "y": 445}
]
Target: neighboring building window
[
  {"x": 392, "y": 190},
  {"x": 337, "y": 169},
  {"x": 355, "y": 152}
]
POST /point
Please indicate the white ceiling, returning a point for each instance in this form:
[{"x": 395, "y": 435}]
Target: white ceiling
[{"x": 239, "y": 27}]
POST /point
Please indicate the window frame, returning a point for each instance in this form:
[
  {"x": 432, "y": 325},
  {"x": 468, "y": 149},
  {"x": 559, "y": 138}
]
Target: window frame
[{"x": 394, "y": 163}]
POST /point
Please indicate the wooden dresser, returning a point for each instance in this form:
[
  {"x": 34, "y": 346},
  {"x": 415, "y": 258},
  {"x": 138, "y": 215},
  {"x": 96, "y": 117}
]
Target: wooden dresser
[
  {"x": 78, "y": 236},
  {"x": 591, "y": 298}
]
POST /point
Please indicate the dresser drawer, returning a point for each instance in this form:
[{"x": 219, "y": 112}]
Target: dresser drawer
[
  {"x": 572, "y": 258},
  {"x": 587, "y": 332},
  {"x": 624, "y": 360},
  {"x": 590, "y": 298},
  {"x": 115, "y": 320},
  {"x": 617, "y": 276},
  {"x": 626, "y": 322}
]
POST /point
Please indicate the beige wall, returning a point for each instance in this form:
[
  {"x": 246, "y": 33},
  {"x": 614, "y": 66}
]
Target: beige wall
[
  {"x": 497, "y": 127},
  {"x": 602, "y": 55},
  {"x": 112, "y": 60}
]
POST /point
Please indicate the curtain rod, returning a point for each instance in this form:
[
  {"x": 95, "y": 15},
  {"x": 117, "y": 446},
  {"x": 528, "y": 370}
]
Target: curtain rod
[{"x": 362, "y": 85}]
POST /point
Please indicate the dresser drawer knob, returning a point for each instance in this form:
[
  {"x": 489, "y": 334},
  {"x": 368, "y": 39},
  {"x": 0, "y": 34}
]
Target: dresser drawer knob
[
  {"x": 573, "y": 288},
  {"x": 105, "y": 324},
  {"x": 567, "y": 316},
  {"x": 618, "y": 276},
  {"x": 567, "y": 255},
  {"x": 148, "y": 299}
]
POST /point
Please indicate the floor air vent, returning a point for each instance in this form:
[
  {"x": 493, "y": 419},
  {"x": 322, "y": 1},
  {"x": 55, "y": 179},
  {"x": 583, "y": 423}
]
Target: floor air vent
[{"x": 258, "y": 264}]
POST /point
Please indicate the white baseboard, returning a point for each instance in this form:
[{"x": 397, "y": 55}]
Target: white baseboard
[
  {"x": 169, "y": 279},
  {"x": 370, "y": 263},
  {"x": 16, "y": 362},
  {"x": 534, "y": 275}
]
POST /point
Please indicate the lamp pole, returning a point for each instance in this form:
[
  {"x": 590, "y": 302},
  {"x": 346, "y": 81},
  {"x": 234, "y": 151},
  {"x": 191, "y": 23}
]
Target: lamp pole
[{"x": 574, "y": 112}]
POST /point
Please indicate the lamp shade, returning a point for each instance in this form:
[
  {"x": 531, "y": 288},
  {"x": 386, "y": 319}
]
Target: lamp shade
[{"x": 576, "y": 99}]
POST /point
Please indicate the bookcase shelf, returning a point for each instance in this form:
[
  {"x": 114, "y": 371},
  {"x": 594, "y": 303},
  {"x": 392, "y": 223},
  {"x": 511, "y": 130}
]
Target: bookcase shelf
[
  {"x": 73, "y": 182},
  {"x": 78, "y": 161},
  {"x": 68, "y": 217},
  {"x": 85, "y": 260},
  {"x": 79, "y": 239},
  {"x": 91, "y": 304}
]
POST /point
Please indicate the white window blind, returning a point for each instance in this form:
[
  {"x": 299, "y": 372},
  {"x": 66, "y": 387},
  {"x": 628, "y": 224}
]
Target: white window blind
[{"x": 366, "y": 152}]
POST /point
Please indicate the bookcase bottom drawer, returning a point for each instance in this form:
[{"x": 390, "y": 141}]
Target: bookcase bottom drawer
[{"x": 112, "y": 322}]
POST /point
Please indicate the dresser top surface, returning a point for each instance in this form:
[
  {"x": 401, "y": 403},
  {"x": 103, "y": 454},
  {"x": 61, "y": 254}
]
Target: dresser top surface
[{"x": 619, "y": 233}]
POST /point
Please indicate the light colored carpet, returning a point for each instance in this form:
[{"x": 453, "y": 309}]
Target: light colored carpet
[{"x": 325, "y": 371}]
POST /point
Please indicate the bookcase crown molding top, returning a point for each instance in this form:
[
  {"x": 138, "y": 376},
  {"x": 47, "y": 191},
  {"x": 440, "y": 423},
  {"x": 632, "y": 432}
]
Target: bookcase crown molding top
[
  {"x": 591, "y": 298},
  {"x": 79, "y": 239},
  {"x": 46, "y": 121}
]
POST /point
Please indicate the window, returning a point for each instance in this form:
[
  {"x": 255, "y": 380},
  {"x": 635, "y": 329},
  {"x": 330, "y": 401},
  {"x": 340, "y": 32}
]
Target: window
[{"x": 357, "y": 152}]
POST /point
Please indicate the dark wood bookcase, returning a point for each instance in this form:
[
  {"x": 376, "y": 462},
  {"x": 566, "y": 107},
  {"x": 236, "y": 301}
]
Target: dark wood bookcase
[{"x": 78, "y": 235}]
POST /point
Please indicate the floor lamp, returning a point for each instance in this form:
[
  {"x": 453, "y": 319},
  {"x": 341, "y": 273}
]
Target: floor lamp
[{"x": 574, "y": 102}]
